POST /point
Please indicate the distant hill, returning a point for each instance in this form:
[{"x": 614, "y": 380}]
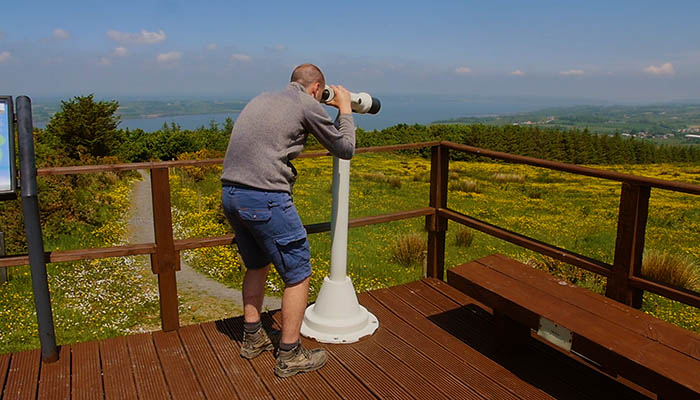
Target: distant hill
[
  {"x": 668, "y": 122},
  {"x": 137, "y": 109}
]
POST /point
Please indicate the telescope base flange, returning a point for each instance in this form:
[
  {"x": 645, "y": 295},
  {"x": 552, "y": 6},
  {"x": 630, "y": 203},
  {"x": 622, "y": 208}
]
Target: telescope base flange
[{"x": 337, "y": 317}]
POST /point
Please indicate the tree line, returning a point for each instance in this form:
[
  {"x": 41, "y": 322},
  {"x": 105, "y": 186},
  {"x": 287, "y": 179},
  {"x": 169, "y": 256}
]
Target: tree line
[{"x": 85, "y": 130}]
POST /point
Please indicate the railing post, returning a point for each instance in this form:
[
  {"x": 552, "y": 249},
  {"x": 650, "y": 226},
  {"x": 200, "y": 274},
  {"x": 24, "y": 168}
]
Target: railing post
[
  {"x": 436, "y": 225},
  {"x": 629, "y": 246},
  {"x": 165, "y": 260}
]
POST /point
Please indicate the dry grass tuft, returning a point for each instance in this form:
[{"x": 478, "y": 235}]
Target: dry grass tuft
[
  {"x": 464, "y": 237},
  {"x": 408, "y": 250},
  {"x": 672, "y": 269},
  {"x": 465, "y": 186},
  {"x": 393, "y": 181},
  {"x": 503, "y": 178}
]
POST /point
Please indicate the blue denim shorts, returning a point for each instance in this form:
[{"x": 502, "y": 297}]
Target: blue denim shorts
[{"x": 268, "y": 230}]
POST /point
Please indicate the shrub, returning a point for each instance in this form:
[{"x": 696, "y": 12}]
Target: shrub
[
  {"x": 464, "y": 186},
  {"x": 500, "y": 177},
  {"x": 408, "y": 250},
  {"x": 464, "y": 237},
  {"x": 672, "y": 269}
]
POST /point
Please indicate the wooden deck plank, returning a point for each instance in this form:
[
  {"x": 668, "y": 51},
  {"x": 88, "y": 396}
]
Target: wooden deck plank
[
  {"x": 467, "y": 354},
  {"x": 679, "y": 339},
  {"x": 210, "y": 374},
  {"x": 401, "y": 373},
  {"x": 263, "y": 366},
  {"x": 54, "y": 378},
  {"x": 345, "y": 384},
  {"x": 440, "y": 380},
  {"x": 86, "y": 376},
  {"x": 149, "y": 379},
  {"x": 368, "y": 373},
  {"x": 431, "y": 344},
  {"x": 176, "y": 366},
  {"x": 118, "y": 376},
  {"x": 240, "y": 373},
  {"x": 4, "y": 367},
  {"x": 23, "y": 375},
  {"x": 437, "y": 344}
]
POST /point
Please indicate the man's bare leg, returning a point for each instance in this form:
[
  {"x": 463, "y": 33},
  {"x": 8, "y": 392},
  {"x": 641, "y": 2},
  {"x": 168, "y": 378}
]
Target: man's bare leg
[
  {"x": 294, "y": 302},
  {"x": 254, "y": 293}
]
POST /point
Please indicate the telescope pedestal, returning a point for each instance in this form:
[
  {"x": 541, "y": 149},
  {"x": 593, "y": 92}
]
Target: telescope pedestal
[{"x": 337, "y": 316}]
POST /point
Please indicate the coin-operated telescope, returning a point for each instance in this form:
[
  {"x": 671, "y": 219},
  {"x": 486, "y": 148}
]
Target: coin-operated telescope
[{"x": 361, "y": 103}]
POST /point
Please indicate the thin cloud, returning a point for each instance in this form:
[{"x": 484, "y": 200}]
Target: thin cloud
[
  {"x": 169, "y": 57},
  {"x": 572, "y": 72},
  {"x": 664, "y": 69},
  {"x": 2, "y": 35},
  {"x": 518, "y": 72},
  {"x": 60, "y": 34},
  {"x": 212, "y": 46},
  {"x": 120, "y": 51},
  {"x": 143, "y": 37},
  {"x": 104, "y": 61},
  {"x": 278, "y": 48},
  {"x": 463, "y": 71},
  {"x": 5, "y": 56},
  {"x": 240, "y": 57}
]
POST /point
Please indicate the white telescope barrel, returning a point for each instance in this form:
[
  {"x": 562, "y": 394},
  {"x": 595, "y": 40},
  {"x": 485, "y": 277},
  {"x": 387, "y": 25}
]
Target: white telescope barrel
[{"x": 361, "y": 103}]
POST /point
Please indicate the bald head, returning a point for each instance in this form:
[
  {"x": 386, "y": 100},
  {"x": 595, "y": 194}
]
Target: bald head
[{"x": 307, "y": 75}]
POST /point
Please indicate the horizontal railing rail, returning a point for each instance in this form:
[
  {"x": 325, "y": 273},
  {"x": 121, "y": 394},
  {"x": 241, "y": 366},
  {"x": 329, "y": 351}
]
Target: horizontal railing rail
[
  {"x": 624, "y": 281},
  {"x": 195, "y": 243}
]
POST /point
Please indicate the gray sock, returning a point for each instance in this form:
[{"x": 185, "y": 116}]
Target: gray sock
[
  {"x": 252, "y": 327},
  {"x": 288, "y": 346}
]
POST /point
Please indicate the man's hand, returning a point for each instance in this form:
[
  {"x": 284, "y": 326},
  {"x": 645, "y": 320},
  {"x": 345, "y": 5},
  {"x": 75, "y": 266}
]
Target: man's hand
[{"x": 341, "y": 99}]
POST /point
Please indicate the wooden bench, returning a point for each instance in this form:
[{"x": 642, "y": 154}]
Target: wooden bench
[{"x": 620, "y": 340}]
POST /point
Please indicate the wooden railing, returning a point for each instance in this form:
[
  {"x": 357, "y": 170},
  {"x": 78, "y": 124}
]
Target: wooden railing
[{"x": 624, "y": 281}]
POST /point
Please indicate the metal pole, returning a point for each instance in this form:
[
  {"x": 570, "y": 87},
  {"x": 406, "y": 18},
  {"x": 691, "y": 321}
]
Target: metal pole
[
  {"x": 339, "y": 219},
  {"x": 35, "y": 243}
]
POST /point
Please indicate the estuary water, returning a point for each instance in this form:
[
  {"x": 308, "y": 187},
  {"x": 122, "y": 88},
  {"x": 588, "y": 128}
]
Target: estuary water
[{"x": 396, "y": 109}]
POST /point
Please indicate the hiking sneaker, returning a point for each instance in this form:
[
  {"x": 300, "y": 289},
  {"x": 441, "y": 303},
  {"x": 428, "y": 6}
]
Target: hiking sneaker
[
  {"x": 256, "y": 343},
  {"x": 299, "y": 360}
]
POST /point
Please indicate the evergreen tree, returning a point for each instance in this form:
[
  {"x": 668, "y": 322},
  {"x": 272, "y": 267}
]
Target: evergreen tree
[{"x": 86, "y": 126}]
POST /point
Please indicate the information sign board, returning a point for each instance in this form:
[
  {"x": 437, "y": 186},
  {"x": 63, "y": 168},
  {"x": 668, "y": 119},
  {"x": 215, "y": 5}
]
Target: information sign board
[{"x": 8, "y": 183}]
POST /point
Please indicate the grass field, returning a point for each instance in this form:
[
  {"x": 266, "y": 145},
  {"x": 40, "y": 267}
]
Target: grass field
[
  {"x": 90, "y": 299},
  {"x": 574, "y": 212}
]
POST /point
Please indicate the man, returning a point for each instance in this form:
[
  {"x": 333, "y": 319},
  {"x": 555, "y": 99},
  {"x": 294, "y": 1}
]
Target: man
[{"x": 257, "y": 184}]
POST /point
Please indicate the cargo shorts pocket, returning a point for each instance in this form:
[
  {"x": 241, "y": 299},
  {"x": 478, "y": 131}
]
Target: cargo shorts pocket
[
  {"x": 255, "y": 214},
  {"x": 295, "y": 256}
]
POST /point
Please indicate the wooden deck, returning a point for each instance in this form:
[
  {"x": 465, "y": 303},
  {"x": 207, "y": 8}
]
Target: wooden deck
[{"x": 433, "y": 343}]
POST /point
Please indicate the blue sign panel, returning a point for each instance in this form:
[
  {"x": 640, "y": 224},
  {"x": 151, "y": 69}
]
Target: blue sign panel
[{"x": 7, "y": 148}]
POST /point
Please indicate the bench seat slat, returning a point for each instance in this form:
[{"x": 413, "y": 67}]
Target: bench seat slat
[{"x": 637, "y": 321}]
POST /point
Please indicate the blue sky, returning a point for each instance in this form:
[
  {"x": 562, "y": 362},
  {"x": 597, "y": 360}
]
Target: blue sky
[{"x": 641, "y": 51}]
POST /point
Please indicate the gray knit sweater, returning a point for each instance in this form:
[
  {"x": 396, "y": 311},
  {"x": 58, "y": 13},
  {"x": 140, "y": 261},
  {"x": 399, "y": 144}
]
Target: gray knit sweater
[{"x": 272, "y": 130}]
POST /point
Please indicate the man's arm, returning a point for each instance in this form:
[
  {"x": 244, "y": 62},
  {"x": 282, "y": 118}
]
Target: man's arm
[{"x": 338, "y": 138}]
